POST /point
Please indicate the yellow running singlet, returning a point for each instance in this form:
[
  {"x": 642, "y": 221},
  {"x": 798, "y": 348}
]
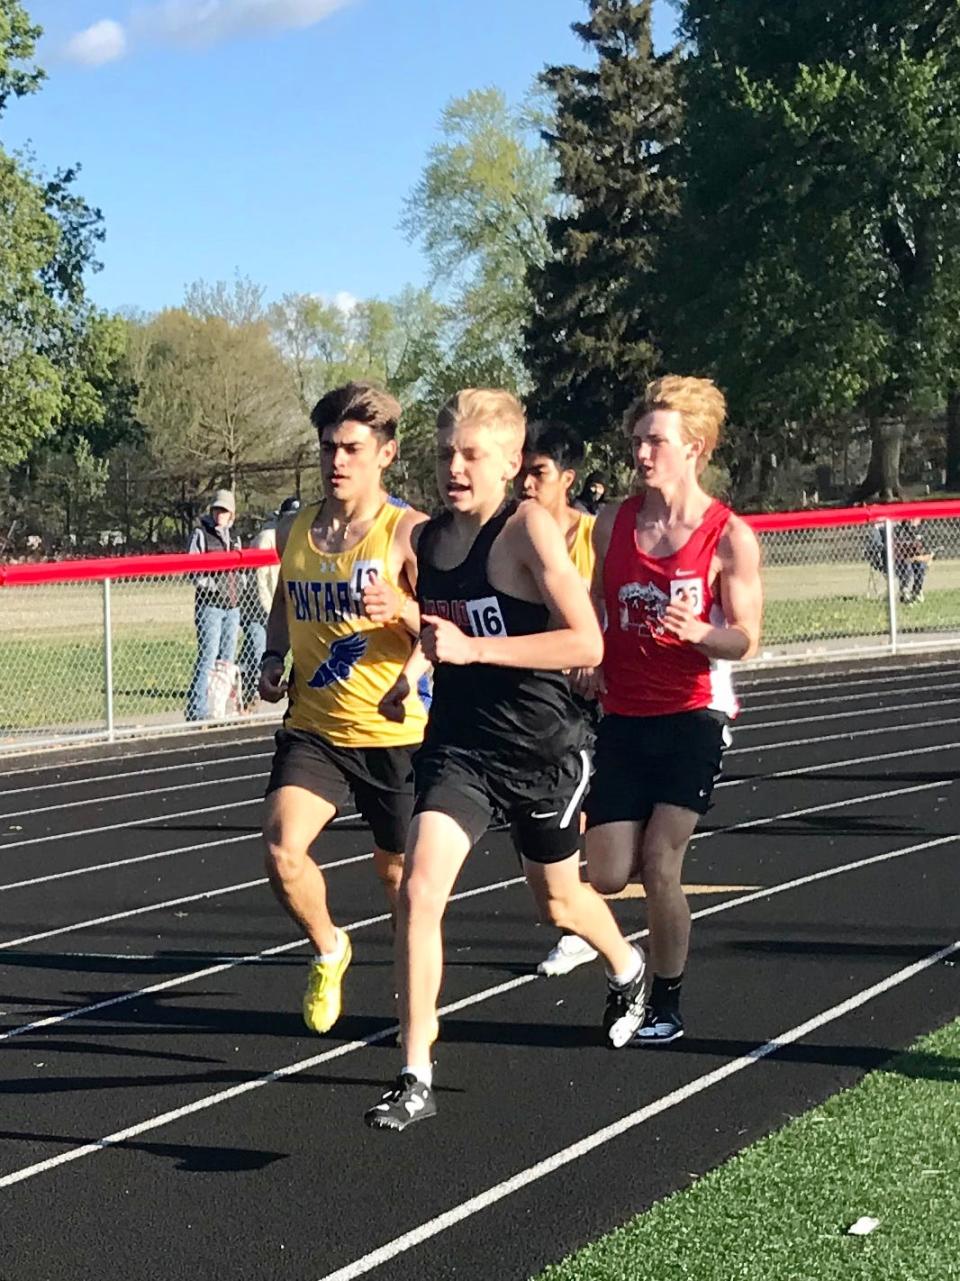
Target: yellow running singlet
[
  {"x": 343, "y": 663},
  {"x": 581, "y": 551}
]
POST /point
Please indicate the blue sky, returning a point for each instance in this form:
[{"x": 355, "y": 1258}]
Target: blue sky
[{"x": 277, "y": 138}]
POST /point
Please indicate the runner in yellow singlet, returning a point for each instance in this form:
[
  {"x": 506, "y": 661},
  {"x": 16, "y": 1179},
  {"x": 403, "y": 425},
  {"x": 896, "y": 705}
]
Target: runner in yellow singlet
[
  {"x": 343, "y": 607},
  {"x": 552, "y": 457}
]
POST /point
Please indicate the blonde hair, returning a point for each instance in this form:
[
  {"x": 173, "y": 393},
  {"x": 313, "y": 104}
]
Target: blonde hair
[
  {"x": 499, "y": 411},
  {"x": 700, "y": 403}
]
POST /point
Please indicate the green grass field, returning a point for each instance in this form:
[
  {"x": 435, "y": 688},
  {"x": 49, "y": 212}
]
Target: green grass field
[
  {"x": 51, "y": 657},
  {"x": 888, "y": 1148}
]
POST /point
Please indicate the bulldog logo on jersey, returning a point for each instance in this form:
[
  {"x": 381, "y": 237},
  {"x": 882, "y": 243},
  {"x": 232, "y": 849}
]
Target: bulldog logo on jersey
[{"x": 641, "y": 608}]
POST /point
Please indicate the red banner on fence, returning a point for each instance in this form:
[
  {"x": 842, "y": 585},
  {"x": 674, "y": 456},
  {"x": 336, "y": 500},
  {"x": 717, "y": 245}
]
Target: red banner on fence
[{"x": 74, "y": 571}]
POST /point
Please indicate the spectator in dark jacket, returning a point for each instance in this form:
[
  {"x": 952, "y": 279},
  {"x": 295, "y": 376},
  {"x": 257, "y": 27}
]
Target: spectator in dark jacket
[
  {"x": 217, "y": 603},
  {"x": 591, "y": 496}
]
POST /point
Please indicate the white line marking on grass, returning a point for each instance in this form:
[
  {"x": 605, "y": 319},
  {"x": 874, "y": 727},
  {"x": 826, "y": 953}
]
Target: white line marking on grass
[
  {"x": 132, "y": 796},
  {"x": 839, "y": 716},
  {"x": 477, "y": 998},
  {"x": 523, "y": 1178},
  {"x": 850, "y": 698},
  {"x": 828, "y": 765},
  {"x": 874, "y": 732},
  {"x": 136, "y": 773}
]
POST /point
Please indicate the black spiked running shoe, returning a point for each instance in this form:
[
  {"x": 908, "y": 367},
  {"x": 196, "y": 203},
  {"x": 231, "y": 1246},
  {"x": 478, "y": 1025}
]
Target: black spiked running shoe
[
  {"x": 659, "y": 1027},
  {"x": 406, "y": 1101},
  {"x": 624, "y": 1011}
]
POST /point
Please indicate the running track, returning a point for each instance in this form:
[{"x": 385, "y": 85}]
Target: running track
[{"x": 165, "y": 1114}]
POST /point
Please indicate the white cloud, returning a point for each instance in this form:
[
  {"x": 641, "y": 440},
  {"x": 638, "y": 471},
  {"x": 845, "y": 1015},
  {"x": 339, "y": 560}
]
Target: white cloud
[
  {"x": 345, "y": 302},
  {"x": 194, "y": 24},
  {"x": 204, "y": 22},
  {"x": 104, "y": 42}
]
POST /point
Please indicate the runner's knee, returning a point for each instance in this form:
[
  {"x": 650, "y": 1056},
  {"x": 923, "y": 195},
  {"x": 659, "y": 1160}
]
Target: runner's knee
[{"x": 284, "y": 862}]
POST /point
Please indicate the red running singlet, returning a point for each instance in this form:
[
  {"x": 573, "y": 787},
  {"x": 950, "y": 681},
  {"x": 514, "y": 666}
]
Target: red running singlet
[{"x": 649, "y": 672}]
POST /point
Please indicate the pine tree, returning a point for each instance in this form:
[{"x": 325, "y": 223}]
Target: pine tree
[{"x": 591, "y": 342}]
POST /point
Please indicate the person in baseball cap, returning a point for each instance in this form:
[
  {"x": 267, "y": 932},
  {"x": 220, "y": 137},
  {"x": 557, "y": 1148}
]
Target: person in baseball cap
[{"x": 216, "y": 608}]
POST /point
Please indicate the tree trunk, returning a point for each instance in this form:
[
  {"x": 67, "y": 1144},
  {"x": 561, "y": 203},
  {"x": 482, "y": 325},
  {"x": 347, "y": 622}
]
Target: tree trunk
[
  {"x": 883, "y": 472},
  {"x": 953, "y": 437}
]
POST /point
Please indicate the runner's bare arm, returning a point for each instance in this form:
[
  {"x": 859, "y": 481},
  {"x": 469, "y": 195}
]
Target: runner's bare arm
[
  {"x": 273, "y": 687},
  {"x": 536, "y": 543},
  {"x": 588, "y": 682},
  {"x": 385, "y": 601},
  {"x": 741, "y": 594},
  {"x": 391, "y": 705}
]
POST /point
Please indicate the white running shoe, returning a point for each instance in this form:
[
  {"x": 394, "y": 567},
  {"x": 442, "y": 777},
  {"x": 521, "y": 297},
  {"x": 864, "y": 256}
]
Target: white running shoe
[{"x": 569, "y": 952}]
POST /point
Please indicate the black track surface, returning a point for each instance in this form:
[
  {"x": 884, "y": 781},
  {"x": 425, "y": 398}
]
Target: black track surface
[{"x": 283, "y": 1180}]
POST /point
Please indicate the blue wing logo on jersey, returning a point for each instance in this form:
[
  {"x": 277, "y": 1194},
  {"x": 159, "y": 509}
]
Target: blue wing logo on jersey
[{"x": 344, "y": 655}]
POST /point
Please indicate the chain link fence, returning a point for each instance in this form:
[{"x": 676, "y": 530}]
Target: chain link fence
[
  {"x": 860, "y": 581},
  {"x": 107, "y": 648}
]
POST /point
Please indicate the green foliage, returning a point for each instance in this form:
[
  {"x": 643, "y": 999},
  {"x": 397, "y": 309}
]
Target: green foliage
[
  {"x": 592, "y": 341},
  {"x": 55, "y": 346},
  {"x": 814, "y": 271},
  {"x": 479, "y": 211}
]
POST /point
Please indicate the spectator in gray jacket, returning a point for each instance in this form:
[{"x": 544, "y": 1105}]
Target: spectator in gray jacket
[{"x": 217, "y": 602}]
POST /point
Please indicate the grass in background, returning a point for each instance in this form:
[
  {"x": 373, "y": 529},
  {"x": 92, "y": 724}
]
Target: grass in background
[
  {"x": 888, "y": 1148},
  {"x": 787, "y": 622}
]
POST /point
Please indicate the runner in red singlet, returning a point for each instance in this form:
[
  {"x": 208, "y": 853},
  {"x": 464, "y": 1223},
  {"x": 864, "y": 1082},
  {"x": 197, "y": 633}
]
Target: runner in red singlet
[{"x": 677, "y": 581}]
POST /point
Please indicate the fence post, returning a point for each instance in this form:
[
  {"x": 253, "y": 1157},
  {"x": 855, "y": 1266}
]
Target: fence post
[
  {"x": 108, "y": 660},
  {"x": 892, "y": 584}
]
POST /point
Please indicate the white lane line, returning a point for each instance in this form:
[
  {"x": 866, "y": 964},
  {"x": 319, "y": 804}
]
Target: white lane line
[
  {"x": 874, "y": 732},
  {"x": 839, "y": 716},
  {"x": 857, "y": 673},
  {"x": 126, "y": 862},
  {"x": 132, "y": 796},
  {"x": 134, "y": 773},
  {"x": 850, "y": 698},
  {"x": 253, "y": 958},
  {"x": 145, "y": 858},
  {"x": 292, "y": 1069},
  {"x": 245, "y": 885},
  {"x": 133, "y": 822},
  {"x": 820, "y": 809},
  {"x": 160, "y": 907},
  {"x": 204, "y": 745},
  {"x": 802, "y": 770},
  {"x": 523, "y": 1178}
]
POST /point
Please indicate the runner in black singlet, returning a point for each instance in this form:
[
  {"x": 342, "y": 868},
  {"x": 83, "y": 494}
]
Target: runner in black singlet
[{"x": 504, "y": 614}]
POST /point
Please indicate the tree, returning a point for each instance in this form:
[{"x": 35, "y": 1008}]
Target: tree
[
  {"x": 479, "y": 211},
  {"x": 48, "y": 239},
  {"x": 215, "y": 395},
  {"x": 815, "y": 270},
  {"x": 592, "y": 340}
]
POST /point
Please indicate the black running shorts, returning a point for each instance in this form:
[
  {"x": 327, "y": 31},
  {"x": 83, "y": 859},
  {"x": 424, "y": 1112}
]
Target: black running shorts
[
  {"x": 541, "y": 802},
  {"x": 379, "y": 779},
  {"x": 643, "y": 761}
]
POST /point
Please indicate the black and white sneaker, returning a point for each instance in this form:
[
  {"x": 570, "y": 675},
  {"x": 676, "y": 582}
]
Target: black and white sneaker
[
  {"x": 623, "y": 1013},
  {"x": 659, "y": 1027},
  {"x": 406, "y": 1101}
]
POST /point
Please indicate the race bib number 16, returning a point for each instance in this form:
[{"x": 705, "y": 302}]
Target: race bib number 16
[{"x": 485, "y": 617}]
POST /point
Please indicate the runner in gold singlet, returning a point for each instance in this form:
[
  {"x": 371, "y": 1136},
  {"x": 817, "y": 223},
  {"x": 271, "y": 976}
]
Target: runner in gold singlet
[
  {"x": 552, "y": 457},
  {"x": 343, "y": 607}
]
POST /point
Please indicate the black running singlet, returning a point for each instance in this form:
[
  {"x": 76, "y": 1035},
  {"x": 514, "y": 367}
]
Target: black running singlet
[{"x": 515, "y": 711}]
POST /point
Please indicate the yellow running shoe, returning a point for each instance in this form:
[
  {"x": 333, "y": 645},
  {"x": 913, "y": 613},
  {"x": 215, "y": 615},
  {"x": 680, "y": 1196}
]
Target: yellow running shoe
[{"x": 321, "y": 1001}]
